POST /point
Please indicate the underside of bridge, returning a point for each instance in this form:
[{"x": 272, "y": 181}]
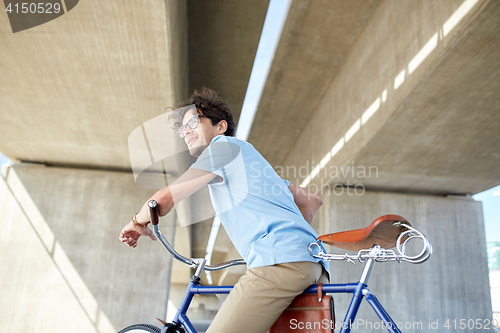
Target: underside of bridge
[
  {"x": 397, "y": 100},
  {"x": 437, "y": 132}
]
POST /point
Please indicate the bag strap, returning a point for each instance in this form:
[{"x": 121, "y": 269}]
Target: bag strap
[{"x": 320, "y": 292}]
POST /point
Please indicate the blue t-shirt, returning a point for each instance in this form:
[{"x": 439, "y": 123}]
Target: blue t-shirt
[{"x": 255, "y": 205}]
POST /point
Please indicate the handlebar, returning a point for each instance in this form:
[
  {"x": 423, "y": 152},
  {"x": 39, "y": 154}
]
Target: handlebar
[
  {"x": 154, "y": 212},
  {"x": 154, "y": 215}
]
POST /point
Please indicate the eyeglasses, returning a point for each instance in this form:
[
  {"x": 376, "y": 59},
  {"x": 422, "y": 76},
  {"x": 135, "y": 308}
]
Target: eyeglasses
[{"x": 191, "y": 123}]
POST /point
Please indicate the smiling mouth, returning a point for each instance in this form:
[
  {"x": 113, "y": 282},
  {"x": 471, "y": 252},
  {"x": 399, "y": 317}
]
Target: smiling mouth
[{"x": 191, "y": 140}]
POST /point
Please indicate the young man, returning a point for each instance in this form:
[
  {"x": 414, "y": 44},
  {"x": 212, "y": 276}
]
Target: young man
[{"x": 267, "y": 218}]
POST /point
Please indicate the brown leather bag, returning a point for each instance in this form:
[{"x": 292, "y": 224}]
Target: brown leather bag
[{"x": 308, "y": 313}]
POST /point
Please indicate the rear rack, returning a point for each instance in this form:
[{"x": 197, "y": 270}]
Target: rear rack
[{"x": 379, "y": 254}]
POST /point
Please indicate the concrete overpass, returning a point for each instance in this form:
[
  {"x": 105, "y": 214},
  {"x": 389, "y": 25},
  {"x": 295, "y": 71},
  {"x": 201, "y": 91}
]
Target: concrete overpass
[
  {"x": 405, "y": 91},
  {"x": 72, "y": 91}
]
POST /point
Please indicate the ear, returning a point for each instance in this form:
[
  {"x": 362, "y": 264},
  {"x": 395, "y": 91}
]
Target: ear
[{"x": 222, "y": 126}]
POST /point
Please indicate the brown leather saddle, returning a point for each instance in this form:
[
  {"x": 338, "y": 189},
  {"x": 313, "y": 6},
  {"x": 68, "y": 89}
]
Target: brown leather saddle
[{"x": 379, "y": 232}]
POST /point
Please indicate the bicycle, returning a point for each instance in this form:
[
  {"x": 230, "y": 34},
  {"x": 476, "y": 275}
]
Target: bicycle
[{"x": 381, "y": 233}]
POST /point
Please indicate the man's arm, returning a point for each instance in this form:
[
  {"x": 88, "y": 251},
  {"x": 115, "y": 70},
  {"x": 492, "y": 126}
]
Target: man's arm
[
  {"x": 190, "y": 182},
  {"x": 307, "y": 201}
]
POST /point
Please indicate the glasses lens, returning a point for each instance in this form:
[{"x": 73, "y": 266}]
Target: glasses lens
[
  {"x": 193, "y": 122},
  {"x": 181, "y": 131}
]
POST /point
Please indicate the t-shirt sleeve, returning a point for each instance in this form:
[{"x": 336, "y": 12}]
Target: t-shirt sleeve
[
  {"x": 216, "y": 157},
  {"x": 287, "y": 182}
]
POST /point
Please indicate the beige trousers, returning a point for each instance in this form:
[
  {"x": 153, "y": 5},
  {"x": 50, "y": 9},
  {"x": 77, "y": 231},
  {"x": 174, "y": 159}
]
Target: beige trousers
[{"x": 262, "y": 294}]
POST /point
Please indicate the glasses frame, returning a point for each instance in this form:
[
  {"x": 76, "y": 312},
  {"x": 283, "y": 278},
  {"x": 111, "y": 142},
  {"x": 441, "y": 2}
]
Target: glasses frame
[{"x": 183, "y": 127}]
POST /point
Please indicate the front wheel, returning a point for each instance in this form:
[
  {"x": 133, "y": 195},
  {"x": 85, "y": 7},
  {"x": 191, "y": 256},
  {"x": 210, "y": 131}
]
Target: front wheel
[{"x": 141, "y": 328}]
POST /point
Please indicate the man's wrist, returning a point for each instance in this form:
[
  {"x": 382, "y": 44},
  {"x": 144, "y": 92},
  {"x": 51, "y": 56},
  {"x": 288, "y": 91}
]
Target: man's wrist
[{"x": 137, "y": 224}]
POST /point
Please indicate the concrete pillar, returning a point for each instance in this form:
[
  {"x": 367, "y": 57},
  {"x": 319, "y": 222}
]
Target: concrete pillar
[
  {"x": 452, "y": 284},
  {"x": 63, "y": 267}
]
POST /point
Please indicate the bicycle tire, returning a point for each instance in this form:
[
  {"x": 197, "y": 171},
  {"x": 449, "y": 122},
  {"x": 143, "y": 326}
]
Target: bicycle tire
[{"x": 141, "y": 328}]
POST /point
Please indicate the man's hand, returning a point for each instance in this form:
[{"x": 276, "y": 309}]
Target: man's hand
[
  {"x": 188, "y": 183},
  {"x": 131, "y": 233},
  {"x": 307, "y": 201}
]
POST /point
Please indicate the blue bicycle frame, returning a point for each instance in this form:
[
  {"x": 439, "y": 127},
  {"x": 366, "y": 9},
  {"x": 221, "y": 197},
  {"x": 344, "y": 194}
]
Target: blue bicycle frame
[{"x": 359, "y": 291}]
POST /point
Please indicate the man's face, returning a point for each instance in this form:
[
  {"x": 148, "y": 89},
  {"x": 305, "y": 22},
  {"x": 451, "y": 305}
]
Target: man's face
[{"x": 198, "y": 138}]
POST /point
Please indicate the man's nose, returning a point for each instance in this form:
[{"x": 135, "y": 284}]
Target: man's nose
[{"x": 187, "y": 131}]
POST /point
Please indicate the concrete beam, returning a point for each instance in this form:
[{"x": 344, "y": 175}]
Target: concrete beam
[
  {"x": 315, "y": 43},
  {"x": 414, "y": 98},
  {"x": 73, "y": 89},
  {"x": 223, "y": 40},
  {"x": 444, "y": 137}
]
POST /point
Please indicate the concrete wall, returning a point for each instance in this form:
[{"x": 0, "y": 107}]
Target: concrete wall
[
  {"x": 452, "y": 284},
  {"x": 62, "y": 265},
  {"x": 177, "y": 35}
]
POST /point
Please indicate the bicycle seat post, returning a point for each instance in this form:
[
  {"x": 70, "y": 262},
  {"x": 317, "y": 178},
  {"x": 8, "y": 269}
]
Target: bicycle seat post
[{"x": 367, "y": 270}]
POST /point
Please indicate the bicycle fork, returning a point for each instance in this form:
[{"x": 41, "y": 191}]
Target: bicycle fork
[{"x": 181, "y": 321}]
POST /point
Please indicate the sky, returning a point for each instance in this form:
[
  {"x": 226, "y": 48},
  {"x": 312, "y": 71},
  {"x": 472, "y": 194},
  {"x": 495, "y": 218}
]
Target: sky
[
  {"x": 269, "y": 39},
  {"x": 491, "y": 211}
]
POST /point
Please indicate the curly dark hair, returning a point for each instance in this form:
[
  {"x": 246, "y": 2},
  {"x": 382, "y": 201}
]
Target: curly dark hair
[{"x": 209, "y": 105}]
